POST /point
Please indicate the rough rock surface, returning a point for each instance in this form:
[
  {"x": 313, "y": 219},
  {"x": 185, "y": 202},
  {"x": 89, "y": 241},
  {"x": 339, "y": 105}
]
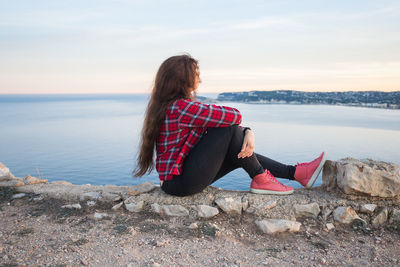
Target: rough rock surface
[
  {"x": 117, "y": 206},
  {"x": 100, "y": 215},
  {"x": 345, "y": 215},
  {"x": 307, "y": 210},
  {"x": 381, "y": 217},
  {"x": 230, "y": 205},
  {"x": 175, "y": 210},
  {"x": 141, "y": 188},
  {"x": 90, "y": 196},
  {"x": 205, "y": 211},
  {"x": 134, "y": 207},
  {"x": 19, "y": 195},
  {"x": 33, "y": 180},
  {"x": 368, "y": 208},
  {"x": 272, "y": 226},
  {"x": 5, "y": 173},
  {"x": 395, "y": 216},
  {"x": 367, "y": 176},
  {"x": 72, "y": 206}
]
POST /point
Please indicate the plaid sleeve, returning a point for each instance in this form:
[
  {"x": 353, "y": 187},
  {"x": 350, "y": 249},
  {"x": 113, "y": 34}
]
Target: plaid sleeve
[{"x": 197, "y": 114}]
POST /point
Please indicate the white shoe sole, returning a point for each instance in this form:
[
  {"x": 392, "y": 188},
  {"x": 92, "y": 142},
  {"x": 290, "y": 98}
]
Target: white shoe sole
[
  {"x": 317, "y": 171},
  {"x": 270, "y": 192}
]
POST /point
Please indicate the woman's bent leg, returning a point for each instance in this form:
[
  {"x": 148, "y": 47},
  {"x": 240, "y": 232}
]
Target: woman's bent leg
[
  {"x": 206, "y": 159},
  {"x": 276, "y": 168}
]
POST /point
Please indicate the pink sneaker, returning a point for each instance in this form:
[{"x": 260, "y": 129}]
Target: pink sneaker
[
  {"x": 265, "y": 183},
  {"x": 307, "y": 173}
]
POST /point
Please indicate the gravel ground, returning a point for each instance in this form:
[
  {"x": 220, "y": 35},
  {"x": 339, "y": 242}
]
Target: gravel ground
[{"x": 41, "y": 233}]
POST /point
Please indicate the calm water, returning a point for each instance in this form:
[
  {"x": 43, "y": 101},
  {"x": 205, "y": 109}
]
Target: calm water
[{"x": 94, "y": 138}]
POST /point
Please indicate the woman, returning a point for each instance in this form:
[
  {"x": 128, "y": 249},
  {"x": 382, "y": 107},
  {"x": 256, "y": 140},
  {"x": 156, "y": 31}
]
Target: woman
[{"x": 197, "y": 144}]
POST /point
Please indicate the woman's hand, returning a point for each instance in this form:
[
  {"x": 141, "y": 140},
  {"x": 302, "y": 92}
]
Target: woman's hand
[{"x": 248, "y": 145}]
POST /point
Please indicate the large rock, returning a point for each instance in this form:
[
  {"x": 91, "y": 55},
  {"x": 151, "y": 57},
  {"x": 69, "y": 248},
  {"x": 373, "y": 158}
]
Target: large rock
[
  {"x": 272, "y": 226},
  {"x": 307, "y": 210},
  {"x": 230, "y": 205},
  {"x": 367, "y": 176},
  {"x": 5, "y": 173}
]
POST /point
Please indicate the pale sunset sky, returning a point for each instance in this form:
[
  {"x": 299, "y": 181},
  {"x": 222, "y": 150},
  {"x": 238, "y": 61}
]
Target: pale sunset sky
[{"x": 116, "y": 46}]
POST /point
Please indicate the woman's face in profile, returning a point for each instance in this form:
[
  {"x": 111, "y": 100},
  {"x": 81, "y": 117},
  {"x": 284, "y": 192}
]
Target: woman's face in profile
[{"x": 197, "y": 79}]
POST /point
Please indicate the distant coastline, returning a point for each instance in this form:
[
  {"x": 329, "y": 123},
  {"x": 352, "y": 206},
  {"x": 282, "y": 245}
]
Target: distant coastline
[{"x": 370, "y": 99}]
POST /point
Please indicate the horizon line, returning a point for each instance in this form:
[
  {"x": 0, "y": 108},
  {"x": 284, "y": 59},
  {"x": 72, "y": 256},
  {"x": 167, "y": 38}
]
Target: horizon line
[{"x": 141, "y": 93}]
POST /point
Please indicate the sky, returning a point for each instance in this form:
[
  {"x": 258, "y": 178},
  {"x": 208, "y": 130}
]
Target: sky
[{"x": 116, "y": 46}]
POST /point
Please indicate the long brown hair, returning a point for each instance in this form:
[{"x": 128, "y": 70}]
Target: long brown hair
[{"x": 174, "y": 80}]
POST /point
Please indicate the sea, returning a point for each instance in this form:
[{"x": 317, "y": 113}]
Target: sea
[{"x": 93, "y": 139}]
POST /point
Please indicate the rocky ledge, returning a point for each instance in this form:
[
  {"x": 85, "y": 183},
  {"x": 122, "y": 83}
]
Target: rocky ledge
[{"x": 363, "y": 193}]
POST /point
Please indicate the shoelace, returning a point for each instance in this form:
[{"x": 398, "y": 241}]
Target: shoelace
[{"x": 272, "y": 178}]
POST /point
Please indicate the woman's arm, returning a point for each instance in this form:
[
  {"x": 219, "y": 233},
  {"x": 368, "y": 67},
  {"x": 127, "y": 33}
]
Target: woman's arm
[
  {"x": 197, "y": 114},
  {"x": 248, "y": 144}
]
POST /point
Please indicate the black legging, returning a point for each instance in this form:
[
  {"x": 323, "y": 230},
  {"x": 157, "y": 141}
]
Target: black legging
[{"x": 214, "y": 156}]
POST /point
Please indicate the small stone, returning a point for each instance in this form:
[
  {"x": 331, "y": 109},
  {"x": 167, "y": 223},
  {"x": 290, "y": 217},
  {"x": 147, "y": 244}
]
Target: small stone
[
  {"x": 381, "y": 217},
  {"x": 245, "y": 204},
  {"x": 368, "y": 208},
  {"x": 345, "y": 215},
  {"x": 117, "y": 198},
  {"x": 205, "y": 211},
  {"x": 135, "y": 207},
  {"x": 99, "y": 216},
  {"x": 175, "y": 210},
  {"x": 38, "y": 198},
  {"x": 159, "y": 243},
  {"x": 193, "y": 226},
  {"x": 250, "y": 210},
  {"x": 90, "y": 196},
  {"x": 33, "y": 180},
  {"x": 156, "y": 208},
  {"x": 19, "y": 195},
  {"x": 117, "y": 206},
  {"x": 91, "y": 203},
  {"x": 84, "y": 262},
  {"x": 272, "y": 226},
  {"x": 329, "y": 226},
  {"x": 269, "y": 205},
  {"x": 395, "y": 217},
  {"x": 326, "y": 213},
  {"x": 16, "y": 182},
  {"x": 307, "y": 210},
  {"x": 72, "y": 206},
  {"x": 132, "y": 230},
  {"x": 230, "y": 205},
  {"x": 5, "y": 173}
]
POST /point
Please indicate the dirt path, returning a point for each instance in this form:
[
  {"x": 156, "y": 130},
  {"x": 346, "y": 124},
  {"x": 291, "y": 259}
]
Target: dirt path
[{"x": 40, "y": 233}]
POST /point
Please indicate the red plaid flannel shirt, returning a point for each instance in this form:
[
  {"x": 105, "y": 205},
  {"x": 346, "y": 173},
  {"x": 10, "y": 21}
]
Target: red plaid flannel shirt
[{"x": 185, "y": 123}]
